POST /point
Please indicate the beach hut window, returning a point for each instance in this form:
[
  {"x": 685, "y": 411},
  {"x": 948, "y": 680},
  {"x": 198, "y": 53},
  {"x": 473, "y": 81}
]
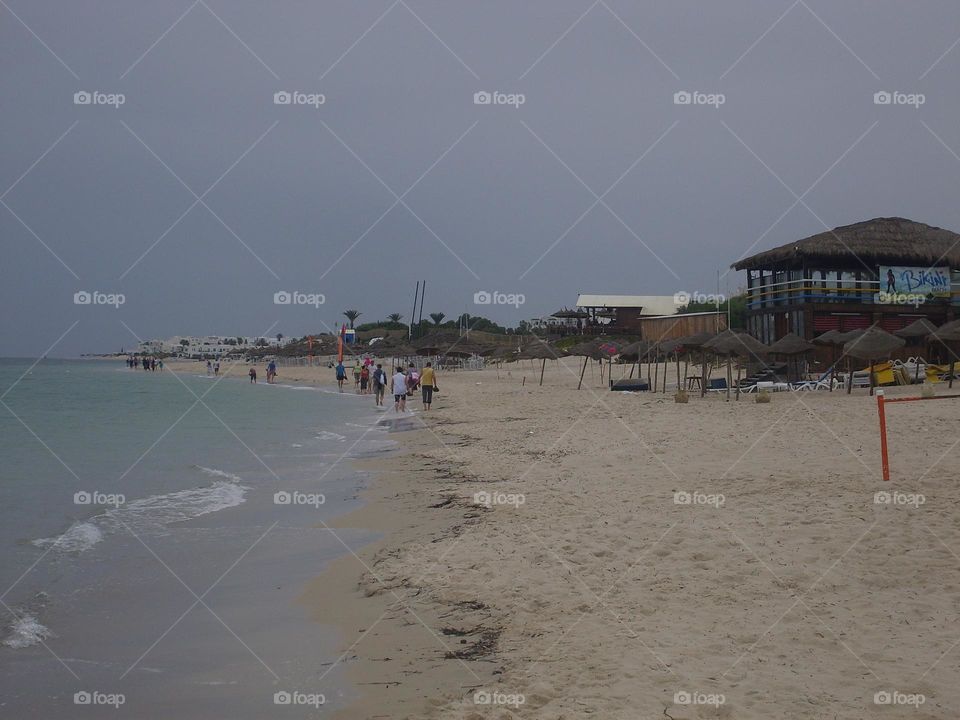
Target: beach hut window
[{"x": 848, "y": 283}]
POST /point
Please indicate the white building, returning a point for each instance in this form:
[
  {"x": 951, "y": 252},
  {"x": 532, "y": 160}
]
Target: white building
[{"x": 196, "y": 347}]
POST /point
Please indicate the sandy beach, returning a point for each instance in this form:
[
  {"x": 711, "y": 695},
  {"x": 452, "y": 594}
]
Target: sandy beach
[{"x": 633, "y": 557}]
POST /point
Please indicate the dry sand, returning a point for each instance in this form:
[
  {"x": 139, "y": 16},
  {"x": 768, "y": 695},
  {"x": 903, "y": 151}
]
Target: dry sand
[{"x": 797, "y": 596}]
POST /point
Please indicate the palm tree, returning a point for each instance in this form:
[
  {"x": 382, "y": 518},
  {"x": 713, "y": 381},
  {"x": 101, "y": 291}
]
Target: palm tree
[
  {"x": 437, "y": 318},
  {"x": 352, "y": 315},
  {"x": 394, "y": 317}
]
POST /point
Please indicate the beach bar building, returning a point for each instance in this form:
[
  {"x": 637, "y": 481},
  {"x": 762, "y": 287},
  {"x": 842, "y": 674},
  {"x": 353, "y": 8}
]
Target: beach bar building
[
  {"x": 887, "y": 272},
  {"x": 623, "y": 313}
]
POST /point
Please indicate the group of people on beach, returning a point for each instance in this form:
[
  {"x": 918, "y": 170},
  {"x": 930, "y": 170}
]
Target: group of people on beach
[
  {"x": 271, "y": 373},
  {"x": 403, "y": 384},
  {"x": 147, "y": 363}
]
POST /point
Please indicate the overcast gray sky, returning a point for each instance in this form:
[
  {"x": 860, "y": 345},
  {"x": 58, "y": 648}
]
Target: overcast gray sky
[{"x": 598, "y": 182}]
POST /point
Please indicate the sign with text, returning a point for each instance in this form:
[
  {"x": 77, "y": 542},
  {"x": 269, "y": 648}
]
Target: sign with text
[{"x": 927, "y": 283}]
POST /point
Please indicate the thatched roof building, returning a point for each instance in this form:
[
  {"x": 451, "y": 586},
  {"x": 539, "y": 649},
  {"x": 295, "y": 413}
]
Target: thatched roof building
[
  {"x": 886, "y": 273},
  {"x": 881, "y": 241}
]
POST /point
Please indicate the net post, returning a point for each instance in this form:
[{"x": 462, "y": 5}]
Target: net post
[{"x": 884, "y": 459}]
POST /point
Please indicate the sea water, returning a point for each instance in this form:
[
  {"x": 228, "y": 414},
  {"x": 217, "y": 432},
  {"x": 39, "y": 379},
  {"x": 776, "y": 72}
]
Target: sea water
[{"x": 155, "y": 532}]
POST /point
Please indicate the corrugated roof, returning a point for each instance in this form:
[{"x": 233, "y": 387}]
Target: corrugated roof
[{"x": 647, "y": 304}]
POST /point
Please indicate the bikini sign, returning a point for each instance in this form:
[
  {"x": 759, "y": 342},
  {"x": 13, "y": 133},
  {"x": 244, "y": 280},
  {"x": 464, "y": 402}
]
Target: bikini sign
[{"x": 898, "y": 283}]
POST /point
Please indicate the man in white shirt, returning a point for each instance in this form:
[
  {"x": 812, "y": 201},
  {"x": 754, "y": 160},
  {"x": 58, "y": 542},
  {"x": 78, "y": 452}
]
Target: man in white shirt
[{"x": 398, "y": 385}]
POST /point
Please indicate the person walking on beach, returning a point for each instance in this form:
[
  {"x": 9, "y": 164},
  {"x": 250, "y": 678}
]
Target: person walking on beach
[
  {"x": 209, "y": 367},
  {"x": 399, "y": 389},
  {"x": 216, "y": 368},
  {"x": 356, "y": 376},
  {"x": 379, "y": 384},
  {"x": 341, "y": 375},
  {"x": 413, "y": 379},
  {"x": 253, "y": 375},
  {"x": 364, "y": 379},
  {"x": 428, "y": 383},
  {"x": 271, "y": 372}
]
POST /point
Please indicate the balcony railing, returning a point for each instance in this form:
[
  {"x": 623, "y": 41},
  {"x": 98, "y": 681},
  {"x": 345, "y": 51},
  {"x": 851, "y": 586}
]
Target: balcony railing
[{"x": 791, "y": 292}]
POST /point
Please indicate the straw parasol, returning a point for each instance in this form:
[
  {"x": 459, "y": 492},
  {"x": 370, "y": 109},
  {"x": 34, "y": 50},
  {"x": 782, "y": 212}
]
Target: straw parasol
[
  {"x": 917, "y": 329},
  {"x": 833, "y": 338},
  {"x": 599, "y": 349},
  {"x": 841, "y": 339},
  {"x": 921, "y": 328},
  {"x": 694, "y": 342},
  {"x": 792, "y": 346},
  {"x": 436, "y": 343},
  {"x": 673, "y": 345},
  {"x": 946, "y": 334},
  {"x": 830, "y": 337},
  {"x": 539, "y": 350},
  {"x": 634, "y": 351},
  {"x": 871, "y": 344},
  {"x": 730, "y": 343}
]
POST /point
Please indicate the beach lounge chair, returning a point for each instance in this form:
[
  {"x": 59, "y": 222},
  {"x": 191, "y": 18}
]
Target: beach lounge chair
[{"x": 821, "y": 383}]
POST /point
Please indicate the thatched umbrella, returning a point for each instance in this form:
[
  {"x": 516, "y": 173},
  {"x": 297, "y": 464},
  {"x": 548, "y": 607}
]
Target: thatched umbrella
[
  {"x": 394, "y": 350},
  {"x": 946, "y": 334},
  {"x": 792, "y": 346},
  {"x": 437, "y": 343},
  {"x": 697, "y": 341},
  {"x": 842, "y": 338},
  {"x": 730, "y": 343},
  {"x": 674, "y": 345},
  {"x": 921, "y": 328},
  {"x": 539, "y": 350},
  {"x": 917, "y": 329},
  {"x": 830, "y": 337},
  {"x": 632, "y": 353},
  {"x": 598, "y": 349},
  {"x": 873, "y": 343},
  {"x": 834, "y": 339},
  {"x": 462, "y": 349}
]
